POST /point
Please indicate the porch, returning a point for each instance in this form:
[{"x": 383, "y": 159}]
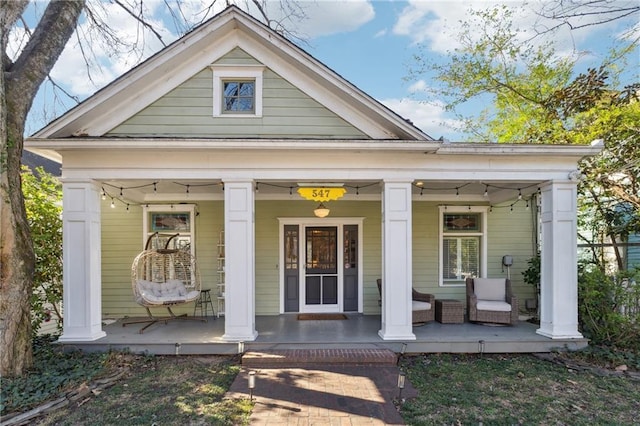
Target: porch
[{"x": 356, "y": 332}]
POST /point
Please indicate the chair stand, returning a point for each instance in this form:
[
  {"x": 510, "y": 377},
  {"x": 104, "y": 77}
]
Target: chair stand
[{"x": 152, "y": 320}]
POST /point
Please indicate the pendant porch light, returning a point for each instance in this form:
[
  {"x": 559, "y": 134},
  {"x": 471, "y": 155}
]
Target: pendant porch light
[{"x": 321, "y": 211}]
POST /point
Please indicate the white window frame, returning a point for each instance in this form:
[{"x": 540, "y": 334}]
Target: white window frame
[
  {"x": 170, "y": 208},
  {"x": 483, "y": 210},
  {"x": 234, "y": 72}
]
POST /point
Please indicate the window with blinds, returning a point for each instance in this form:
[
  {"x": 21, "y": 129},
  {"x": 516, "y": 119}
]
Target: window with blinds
[
  {"x": 460, "y": 258},
  {"x": 461, "y": 236}
]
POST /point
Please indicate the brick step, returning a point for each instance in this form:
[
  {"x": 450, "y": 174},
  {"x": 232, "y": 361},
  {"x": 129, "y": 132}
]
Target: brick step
[{"x": 294, "y": 358}]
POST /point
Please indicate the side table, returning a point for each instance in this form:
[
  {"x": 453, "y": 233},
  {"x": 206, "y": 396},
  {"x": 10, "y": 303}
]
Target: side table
[{"x": 449, "y": 311}]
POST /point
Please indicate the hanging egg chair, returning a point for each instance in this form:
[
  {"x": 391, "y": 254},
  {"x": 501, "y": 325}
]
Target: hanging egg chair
[{"x": 164, "y": 277}]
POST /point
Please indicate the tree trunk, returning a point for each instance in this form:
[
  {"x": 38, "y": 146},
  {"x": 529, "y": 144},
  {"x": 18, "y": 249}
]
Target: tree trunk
[{"x": 19, "y": 83}]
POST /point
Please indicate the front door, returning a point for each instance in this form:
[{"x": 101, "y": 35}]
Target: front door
[
  {"x": 321, "y": 290},
  {"x": 321, "y": 267}
]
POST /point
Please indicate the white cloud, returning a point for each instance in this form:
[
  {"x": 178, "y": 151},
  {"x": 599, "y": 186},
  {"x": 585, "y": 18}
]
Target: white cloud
[
  {"x": 326, "y": 17},
  {"x": 430, "y": 117},
  {"x": 418, "y": 86},
  {"x": 17, "y": 39},
  {"x": 381, "y": 33},
  {"x": 103, "y": 59},
  {"x": 436, "y": 24}
]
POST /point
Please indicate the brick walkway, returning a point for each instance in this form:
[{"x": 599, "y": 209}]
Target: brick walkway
[{"x": 337, "y": 393}]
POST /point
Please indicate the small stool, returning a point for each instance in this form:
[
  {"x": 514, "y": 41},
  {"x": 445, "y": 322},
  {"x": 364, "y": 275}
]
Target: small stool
[{"x": 203, "y": 302}]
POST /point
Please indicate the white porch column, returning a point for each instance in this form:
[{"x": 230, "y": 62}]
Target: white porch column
[
  {"x": 559, "y": 270},
  {"x": 396, "y": 261},
  {"x": 81, "y": 264},
  {"x": 239, "y": 235}
]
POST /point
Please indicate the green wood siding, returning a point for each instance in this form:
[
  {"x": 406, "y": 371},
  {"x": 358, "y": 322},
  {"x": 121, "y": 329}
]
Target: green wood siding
[
  {"x": 267, "y": 247},
  {"x": 122, "y": 241},
  {"x": 508, "y": 233},
  {"x": 187, "y": 111},
  {"x": 512, "y": 233}
]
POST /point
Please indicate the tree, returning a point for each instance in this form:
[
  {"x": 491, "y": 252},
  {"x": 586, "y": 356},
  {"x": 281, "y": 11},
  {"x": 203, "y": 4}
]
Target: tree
[
  {"x": 533, "y": 98},
  {"x": 493, "y": 64},
  {"x": 20, "y": 80},
  {"x": 19, "y": 83}
]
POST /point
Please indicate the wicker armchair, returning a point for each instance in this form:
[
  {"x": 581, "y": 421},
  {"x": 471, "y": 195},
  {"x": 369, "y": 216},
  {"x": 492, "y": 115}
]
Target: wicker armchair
[
  {"x": 491, "y": 300},
  {"x": 422, "y": 305}
]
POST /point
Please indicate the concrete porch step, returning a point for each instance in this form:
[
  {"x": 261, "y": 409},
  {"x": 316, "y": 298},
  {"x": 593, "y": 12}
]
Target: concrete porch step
[{"x": 294, "y": 358}]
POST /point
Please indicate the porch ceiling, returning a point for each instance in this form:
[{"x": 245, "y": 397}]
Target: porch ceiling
[{"x": 149, "y": 191}]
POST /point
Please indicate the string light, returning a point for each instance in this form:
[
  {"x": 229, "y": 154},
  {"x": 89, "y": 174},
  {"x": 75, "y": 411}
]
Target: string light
[{"x": 104, "y": 194}]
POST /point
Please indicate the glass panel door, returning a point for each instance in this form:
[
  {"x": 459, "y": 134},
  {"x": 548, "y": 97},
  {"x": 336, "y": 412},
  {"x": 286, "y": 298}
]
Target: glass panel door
[{"x": 321, "y": 267}]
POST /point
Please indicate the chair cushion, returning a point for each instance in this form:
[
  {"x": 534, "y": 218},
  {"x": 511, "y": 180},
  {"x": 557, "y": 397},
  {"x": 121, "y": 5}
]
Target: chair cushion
[
  {"x": 148, "y": 288},
  {"x": 493, "y": 305},
  {"x": 176, "y": 287},
  {"x": 490, "y": 289},
  {"x": 417, "y": 305}
]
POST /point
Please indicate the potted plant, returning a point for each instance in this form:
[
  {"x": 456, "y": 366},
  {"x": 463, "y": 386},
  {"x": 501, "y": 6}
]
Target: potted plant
[{"x": 531, "y": 276}]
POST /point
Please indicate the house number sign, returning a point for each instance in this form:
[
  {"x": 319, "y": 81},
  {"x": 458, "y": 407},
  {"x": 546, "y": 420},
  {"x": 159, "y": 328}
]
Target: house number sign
[{"x": 321, "y": 194}]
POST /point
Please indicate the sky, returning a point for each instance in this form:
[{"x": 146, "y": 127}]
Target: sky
[{"x": 372, "y": 44}]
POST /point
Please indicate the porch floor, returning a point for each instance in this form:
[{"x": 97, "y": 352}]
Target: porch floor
[{"x": 287, "y": 332}]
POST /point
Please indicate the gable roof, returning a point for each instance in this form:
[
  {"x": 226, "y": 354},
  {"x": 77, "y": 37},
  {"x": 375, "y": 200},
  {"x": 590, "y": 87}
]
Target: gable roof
[{"x": 232, "y": 28}]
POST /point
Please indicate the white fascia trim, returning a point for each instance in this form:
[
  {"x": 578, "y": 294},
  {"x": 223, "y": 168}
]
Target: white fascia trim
[
  {"x": 458, "y": 148},
  {"x": 220, "y": 72},
  {"x": 62, "y": 144}
]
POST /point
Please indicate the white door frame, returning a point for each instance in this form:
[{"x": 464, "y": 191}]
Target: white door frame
[{"x": 303, "y": 223}]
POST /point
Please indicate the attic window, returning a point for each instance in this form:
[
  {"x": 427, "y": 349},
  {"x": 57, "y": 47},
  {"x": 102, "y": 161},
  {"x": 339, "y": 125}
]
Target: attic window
[
  {"x": 237, "y": 91},
  {"x": 238, "y": 96}
]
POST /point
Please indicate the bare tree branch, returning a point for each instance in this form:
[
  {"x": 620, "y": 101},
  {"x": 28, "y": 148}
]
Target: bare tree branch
[
  {"x": 570, "y": 11},
  {"x": 141, "y": 20},
  {"x": 41, "y": 52}
]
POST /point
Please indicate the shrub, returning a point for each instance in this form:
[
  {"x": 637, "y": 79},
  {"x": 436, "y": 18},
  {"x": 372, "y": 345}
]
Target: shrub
[
  {"x": 43, "y": 202},
  {"x": 609, "y": 311}
]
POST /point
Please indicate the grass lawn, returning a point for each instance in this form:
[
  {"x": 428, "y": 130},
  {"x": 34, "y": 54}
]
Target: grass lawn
[
  {"x": 164, "y": 390},
  {"x": 453, "y": 389},
  {"x": 515, "y": 389}
]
